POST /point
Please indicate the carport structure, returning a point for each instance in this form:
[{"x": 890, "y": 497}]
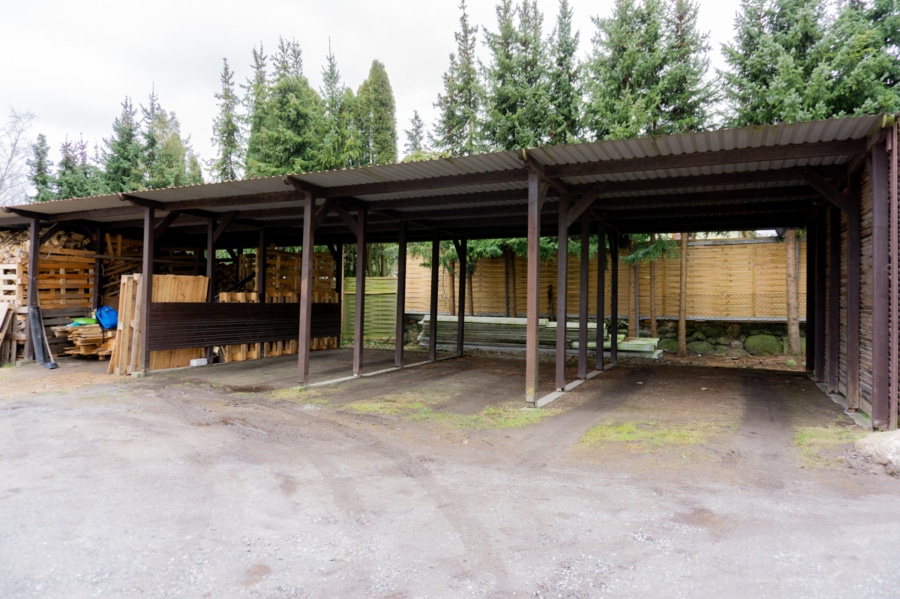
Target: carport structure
[{"x": 836, "y": 178}]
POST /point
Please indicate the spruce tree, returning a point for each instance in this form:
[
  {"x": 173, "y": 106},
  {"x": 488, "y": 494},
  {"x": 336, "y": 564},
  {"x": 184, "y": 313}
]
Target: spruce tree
[
  {"x": 625, "y": 71},
  {"x": 518, "y": 79},
  {"x": 122, "y": 153},
  {"x": 77, "y": 176},
  {"x": 287, "y": 119},
  {"x": 40, "y": 173},
  {"x": 686, "y": 95},
  {"x": 340, "y": 144},
  {"x": 227, "y": 134},
  {"x": 458, "y": 129},
  {"x": 171, "y": 155},
  {"x": 565, "y": 81},
  {"x": 415, "y": 136},
  {"x": 150, "y": 146},
  {"x": 376, "y": 118},
  {"x": 256, "y": 94}
]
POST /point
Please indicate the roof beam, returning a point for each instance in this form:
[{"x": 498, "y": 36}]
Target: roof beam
[
  {"x": 304, "y": 187},
  {"x": 576, "y": 211},
  {"x": 163, "y": 226},
  {"x": 226, "y": 222},
  {"x": 28, "y": 214},
  {"x": 142, "y": 202},
  {"x": 824, "y": 187}
]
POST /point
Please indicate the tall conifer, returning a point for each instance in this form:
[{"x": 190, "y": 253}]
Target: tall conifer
[
  {"x": 227, "y": 134},
  {"x": 40, "y": 172}
]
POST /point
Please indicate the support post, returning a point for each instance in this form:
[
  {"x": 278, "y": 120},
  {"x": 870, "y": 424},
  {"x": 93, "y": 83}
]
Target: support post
[
  {"x": 854, "y": 289},
  {"x": 98, "y": 267},
  {"x": 433, "y": 306},
  {"x": 306, "y": 285},
  {"x": 881, "y": 285},
  {"x": 811, "y": 247},
  {"x": 834, "y": 299},
  {"x": 583, "y": 275},
  {"x": 359, "y": 328},
  {"x": 819, "y": 361},
  {"x": 562, "y": 279},
  {"x": 147, "y": 288},
  {"x": 894, "y": 248},
  {"x": 461, "y": 251},
  {"x": 34, "y": 252},
  {"x": 601, "y": 291},
  {"x": 614, "y": 299},
  {"x": 210, "y": 270},
  {"x": 401, "y": 296},
  {"x": 261, "y": 264},
  {"x": 533, "y": 302}
]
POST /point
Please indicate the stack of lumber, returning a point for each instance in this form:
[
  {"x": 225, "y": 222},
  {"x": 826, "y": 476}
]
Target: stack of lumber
[
  {"x": 90, "y": 340},
  {"x": 126, "y": 351},
  {"x": 244, "y": 351},
  {"x": 499, "y": 332}
]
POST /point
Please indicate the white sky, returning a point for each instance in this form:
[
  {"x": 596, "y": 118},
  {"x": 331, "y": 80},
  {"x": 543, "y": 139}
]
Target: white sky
[{"x": 71, "y": 63}]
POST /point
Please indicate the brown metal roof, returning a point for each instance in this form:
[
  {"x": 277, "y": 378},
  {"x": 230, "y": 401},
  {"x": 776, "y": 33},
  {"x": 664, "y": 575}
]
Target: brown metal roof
[{"x": 692, "y": 181}]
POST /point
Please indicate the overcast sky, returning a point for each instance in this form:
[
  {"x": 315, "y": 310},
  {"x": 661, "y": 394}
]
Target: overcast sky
[{"x": 71, "y": 63}]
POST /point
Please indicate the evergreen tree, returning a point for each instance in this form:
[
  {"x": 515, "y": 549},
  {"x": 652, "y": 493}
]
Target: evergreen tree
[
  {"x": 625, "y": 71},
  {"x": 376, "y": 118},
  {"x": 686, "y": 95},
  {"x": 458, "y": 128},
  {"x": 565, "y": 83},
  {"x": 77, "y": 176},
  {"x": 518, "y": 76},
  {"x": 227, "y": 135},
  {"x": 40, "y": 173},
  {"x": 256, "y": 90},
  {"x": 122, "y": 155},
  {"x": 340, "y": 144},
  {"x": 150, "y": 148},
  {"x": 172, "y": 152},
  {"x": 415, "y": 137},
  {"x": 287, "y": 119},
  {"x": 773, "y": 75}
]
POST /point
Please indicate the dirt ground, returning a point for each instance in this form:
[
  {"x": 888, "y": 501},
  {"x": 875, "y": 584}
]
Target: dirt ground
[{"x": 651, "y": 480}]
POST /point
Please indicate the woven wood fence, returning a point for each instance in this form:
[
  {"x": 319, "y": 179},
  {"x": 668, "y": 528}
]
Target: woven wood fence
[
  {"x": 381, "y": 308},
  {"x": 727, "y": 280}
]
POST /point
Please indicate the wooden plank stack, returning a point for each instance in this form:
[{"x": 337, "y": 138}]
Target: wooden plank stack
[
  {"x": 90, "y": 340},
  {"x": 126, "y": 351}
]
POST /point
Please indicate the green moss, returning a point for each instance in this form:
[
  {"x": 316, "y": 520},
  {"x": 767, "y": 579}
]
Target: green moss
[
  {"x": 648, "y": 434},
  {"x": 815, "y": 443},
  {"x": 497, "y": 417}
]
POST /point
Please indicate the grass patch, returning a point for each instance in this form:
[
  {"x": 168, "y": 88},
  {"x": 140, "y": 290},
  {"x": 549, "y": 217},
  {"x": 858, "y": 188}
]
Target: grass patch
[
  {"x": 815, "y": 443},
  {"x": 301, "y": 394},
  {"x": 503, "y": 416},
  {"x": 647, "y": 435}
]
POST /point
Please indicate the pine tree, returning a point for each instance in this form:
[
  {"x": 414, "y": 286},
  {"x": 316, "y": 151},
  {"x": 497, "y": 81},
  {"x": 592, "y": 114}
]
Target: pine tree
[
  {"x": 458, "y": 128},
  {"x": 40, "y": 174},
  {"x": 122, "y": 155},
  {"x": 565, "y": 81},
  {"x": 376, "y": 118},
  {"x": 340, "y": 145},
  {"x": 227, "y": 135}
]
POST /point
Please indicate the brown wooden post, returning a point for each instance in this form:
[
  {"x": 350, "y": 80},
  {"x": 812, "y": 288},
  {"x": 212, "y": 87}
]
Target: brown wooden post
[
  {"x": 820, "y": 298},
  {"x": 401, "y": 296},
  {"x": 359, "y": 326},
  {"x": 834, "y": 299},
  {"x": 461, "y": 251},
  {"x": 854, "y": 289},
  {"x": 614, "y": 299},
  {"x": 210, "y": 270},
  {"x": 306, "y": 285},
  {"x": 34, "y": 252},
  {"x": 583, "y": 283},
  {"x": 261, "y": 264},
  {"x": 894, "y": 245},
  {"x": 533, "y": 302},
  {"x": 601, "y": 291},
  {"x": 562, "y": 289},
  {"x": 811, "y": 247},
  {"x": 433, "y": 307},
  {"x": 881, "y": 285},
  {"x": 147, "y": 287}
]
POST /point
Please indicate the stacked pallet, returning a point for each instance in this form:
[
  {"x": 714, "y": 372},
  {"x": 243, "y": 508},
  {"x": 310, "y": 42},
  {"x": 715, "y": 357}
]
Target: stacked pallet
[{"x": 127, "y": 351}]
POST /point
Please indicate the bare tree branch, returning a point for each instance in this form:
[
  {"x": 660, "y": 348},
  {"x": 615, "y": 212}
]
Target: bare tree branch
[{"x": 13, "y": 154}]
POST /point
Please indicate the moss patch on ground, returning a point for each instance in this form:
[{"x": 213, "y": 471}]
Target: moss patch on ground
[
  {"x": 817, "y": 444},
  {"x": 650, "y": 435},
  {"x": 411, "y": 407}
]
